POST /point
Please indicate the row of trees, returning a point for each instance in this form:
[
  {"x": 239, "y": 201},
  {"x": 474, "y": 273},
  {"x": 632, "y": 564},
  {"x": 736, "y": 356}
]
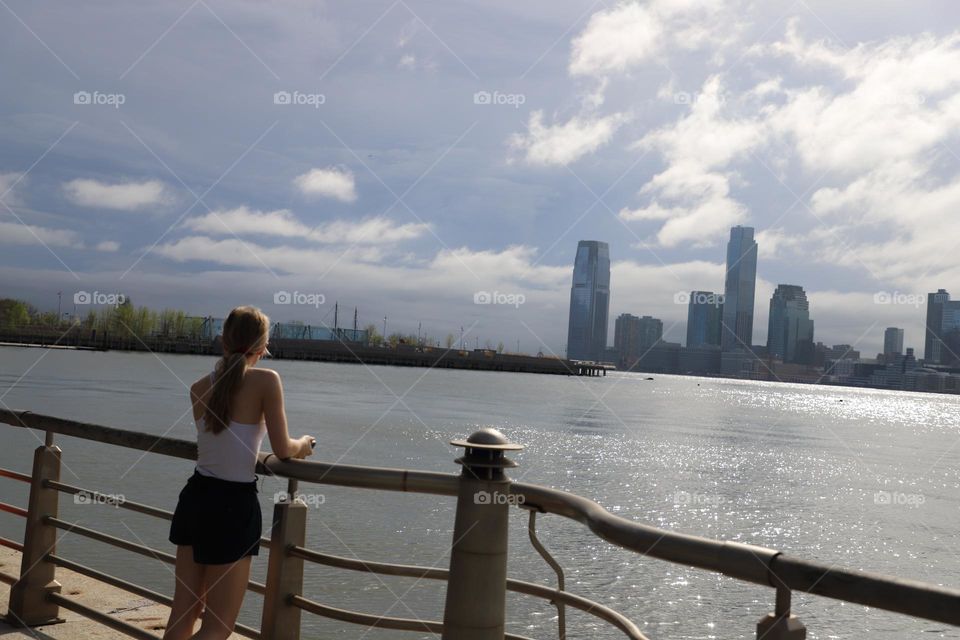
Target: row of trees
[
  {"x": 127, "y": 320},
  {"x": 124, "y": 319},
  {"x": 375, "y": 339}
]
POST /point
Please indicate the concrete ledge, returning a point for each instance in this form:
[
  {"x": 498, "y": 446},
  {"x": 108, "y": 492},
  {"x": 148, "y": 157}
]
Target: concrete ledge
[{"x": 124, "y": 606}]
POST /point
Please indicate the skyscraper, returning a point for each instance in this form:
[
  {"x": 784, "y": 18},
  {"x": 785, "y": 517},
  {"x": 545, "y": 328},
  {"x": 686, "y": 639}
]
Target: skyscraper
[
  {"x": 704, "y": 318},
  {"x": 892, "y": 342},
  {"x": 737, "y": 331},
  {"x": 634, "y": 336},
  {"x": 932, "y": 343},
  {"x": 589, "y": 301},
  {"x": 943, "y": 320},
  {"x": 790, "y": 332}
]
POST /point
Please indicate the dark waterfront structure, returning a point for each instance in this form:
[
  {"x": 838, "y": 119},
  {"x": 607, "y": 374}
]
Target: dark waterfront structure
[
  {"x": 704, "y": 319},
  {"x": 790, "y": 331},
  {"x": 737, "y": 332},
  {"x": 589, "y": 302}
]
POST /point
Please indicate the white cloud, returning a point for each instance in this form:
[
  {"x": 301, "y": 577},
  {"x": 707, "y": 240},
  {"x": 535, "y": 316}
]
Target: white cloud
[
  {"x": 377, "y": 230},
  {"x": 122, "y": 197},
  {"x": 885, "y": 138},
  {"x": 564, "y": 143},
  {"x": 243, "y": 221},
  {"x": 692, "y": 196},
  {"x": 108, "y": 246},
  {"x": 629, "y": 34},
  {"x": 24, "y": 234},
  {"x": 331, "y": 182},
  {"x": 616, "y": 39},
  {"x": 9, "y": 183}
]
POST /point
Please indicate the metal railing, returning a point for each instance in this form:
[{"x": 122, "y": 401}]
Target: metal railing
[{"x": 476, "y": 581}]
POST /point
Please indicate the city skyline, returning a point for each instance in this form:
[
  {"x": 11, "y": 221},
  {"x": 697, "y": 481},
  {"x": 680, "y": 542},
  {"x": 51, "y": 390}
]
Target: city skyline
[{"x": 274, "y": 167}]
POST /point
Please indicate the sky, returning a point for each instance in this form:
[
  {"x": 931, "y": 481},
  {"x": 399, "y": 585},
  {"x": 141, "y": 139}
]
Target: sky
[{"x": 403, "y": 157}]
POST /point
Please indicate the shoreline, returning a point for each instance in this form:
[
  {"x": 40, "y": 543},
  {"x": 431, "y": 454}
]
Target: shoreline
[
  {"x": 333, "y": 351},
  {"x": 650, "y": 375}
]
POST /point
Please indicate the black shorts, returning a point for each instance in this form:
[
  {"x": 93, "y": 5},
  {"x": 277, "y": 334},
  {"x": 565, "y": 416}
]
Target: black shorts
[{"x": 220, "y": 519}]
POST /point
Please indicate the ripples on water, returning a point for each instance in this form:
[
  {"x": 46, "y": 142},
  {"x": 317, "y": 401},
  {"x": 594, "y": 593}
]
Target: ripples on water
[{"x": 795, "y": 467}]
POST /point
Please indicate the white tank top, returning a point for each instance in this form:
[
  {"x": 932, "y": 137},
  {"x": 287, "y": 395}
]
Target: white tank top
[{"x": 232, "y": 453}]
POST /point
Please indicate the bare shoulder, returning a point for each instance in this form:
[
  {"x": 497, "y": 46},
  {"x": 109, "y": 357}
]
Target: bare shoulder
[
  {"x": 263, "y": 378},
  {"x": 200, "y": 387}
]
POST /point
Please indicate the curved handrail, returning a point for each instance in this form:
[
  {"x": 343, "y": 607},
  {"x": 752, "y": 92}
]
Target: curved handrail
[
  {"x": 596, "y": 609},
  {"x": 754, "y": 564}
]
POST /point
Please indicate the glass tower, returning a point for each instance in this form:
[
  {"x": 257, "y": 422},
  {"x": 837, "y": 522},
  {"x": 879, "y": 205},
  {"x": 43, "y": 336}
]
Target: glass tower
[
  {"x": 737, "y": 332},
  {"x": 704, "y": 316},
  {"x": 937, "y": 304},
  {"x": 790, "y": 333},
  {"x": 589, "y": 301},
  {"x": 893, "y": 342}
]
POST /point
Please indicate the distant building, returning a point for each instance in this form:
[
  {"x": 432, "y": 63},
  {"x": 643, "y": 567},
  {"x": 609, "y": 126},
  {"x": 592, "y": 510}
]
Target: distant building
[
  {"x": 943, "y": 320},
  {"x": 704, "y": 318},
  {"x": 892, "y": 375},
  {"x": 662, "y": 357},
  {"x": 702, "y": 360},
  {"x": 589, "y": 302},
  {"x": 842, "y": 352},
  {"x": 740, "y": 289},
  {"x": 651, "y": 331},
  {"x": 892, "y": 342},
  {"x": 633, "y": 336},
  {"x": 744, "y": 363},
  {"x": 790, "y": 330}
]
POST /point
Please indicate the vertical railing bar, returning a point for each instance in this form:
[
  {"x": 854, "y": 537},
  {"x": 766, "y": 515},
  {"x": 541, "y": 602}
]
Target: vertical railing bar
[{"x": 535, "y": 541}]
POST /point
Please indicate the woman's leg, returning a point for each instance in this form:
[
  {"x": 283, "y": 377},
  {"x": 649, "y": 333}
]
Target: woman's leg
[
  {"x": 187, "y": 596},
  {"x": 226, "y": 585}
]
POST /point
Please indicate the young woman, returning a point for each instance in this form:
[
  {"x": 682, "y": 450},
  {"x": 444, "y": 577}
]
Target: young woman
[{"x": 217, "y": 522}]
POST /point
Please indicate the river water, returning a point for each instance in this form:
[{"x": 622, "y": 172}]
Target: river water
[{"x": 862, "y": 479}]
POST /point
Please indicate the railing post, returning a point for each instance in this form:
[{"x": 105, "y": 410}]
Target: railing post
[
  {"x": 29, "y": 605},
  {"x": 475, "y": 607},
  {"x": 781, "y": 624},
  {"x": 280, "y": 619}
]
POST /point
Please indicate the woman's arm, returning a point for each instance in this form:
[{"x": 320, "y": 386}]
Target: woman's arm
[{"x": 276, "y": 418}]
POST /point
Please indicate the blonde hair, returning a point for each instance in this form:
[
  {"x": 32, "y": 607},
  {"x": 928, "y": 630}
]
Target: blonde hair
[{"x": 245, "y": 332}]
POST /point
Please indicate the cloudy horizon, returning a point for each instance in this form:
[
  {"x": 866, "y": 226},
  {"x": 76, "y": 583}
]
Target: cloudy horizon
[{"x": 400, "y": 157}]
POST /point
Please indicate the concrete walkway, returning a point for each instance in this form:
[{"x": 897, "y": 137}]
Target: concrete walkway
[{"x": 124, "y": 606}]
